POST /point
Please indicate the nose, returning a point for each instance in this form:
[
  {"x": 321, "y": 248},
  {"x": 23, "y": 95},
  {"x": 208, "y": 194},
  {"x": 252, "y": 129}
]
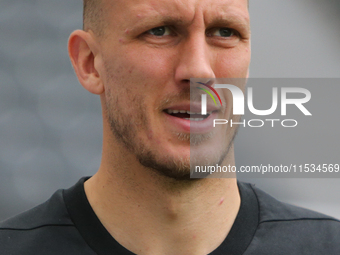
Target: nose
[{"x": 194, "y": 60}]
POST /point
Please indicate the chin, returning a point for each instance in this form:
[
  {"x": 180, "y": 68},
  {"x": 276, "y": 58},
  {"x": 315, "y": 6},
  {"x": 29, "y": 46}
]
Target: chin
[
  {"x": 178, "y": 166},
  {"x": 167, "y": 164}
]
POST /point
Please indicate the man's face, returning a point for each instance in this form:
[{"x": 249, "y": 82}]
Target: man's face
[{"x": 149, "y": 53}]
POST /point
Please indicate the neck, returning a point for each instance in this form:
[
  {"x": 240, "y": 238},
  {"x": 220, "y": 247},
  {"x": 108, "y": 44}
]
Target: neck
[{"x": 161, "y": 215}]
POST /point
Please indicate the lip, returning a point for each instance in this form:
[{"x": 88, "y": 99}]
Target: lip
[
  {"x": 190, "y": 126},
  {"x": 193, "y": 107}
]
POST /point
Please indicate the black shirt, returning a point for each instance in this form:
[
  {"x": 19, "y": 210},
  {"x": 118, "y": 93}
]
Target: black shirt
[{"x": 66, "y": 224}]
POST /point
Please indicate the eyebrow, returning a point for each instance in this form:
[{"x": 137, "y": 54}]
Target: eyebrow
[
  {"x": 233, "y": 21},
  {"x": 156, "y": 21},
  {"x": 222, "y": 19}
]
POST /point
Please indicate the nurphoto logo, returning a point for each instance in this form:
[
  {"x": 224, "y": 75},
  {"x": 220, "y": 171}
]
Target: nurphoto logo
[{"x": 238, "y": 104}]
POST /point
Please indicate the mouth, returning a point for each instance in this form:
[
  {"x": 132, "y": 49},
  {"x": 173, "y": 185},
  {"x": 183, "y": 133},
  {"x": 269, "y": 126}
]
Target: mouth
[
  {"x": 187, "y": 115},
  {"x": 188, "y": 118}
]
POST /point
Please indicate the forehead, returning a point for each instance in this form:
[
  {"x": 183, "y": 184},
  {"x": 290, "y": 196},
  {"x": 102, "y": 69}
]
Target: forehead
[{"x": 186, "y": 11}]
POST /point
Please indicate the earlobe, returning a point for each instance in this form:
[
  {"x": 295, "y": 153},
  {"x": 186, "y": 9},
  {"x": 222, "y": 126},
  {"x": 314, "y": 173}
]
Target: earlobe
[{"x": 82, "y": 52}]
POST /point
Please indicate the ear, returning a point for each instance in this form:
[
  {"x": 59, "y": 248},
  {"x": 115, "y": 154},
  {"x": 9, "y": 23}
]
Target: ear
[{"x": 83, "y": 52}]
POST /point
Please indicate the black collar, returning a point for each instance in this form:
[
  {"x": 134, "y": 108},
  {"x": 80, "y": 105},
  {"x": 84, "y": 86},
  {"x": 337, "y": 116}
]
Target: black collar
[{"x": 100, "y": 240}]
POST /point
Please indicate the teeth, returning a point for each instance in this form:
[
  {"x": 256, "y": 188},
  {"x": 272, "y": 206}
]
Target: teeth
[
  {"x": 194, "y": 119},
  {"x": 183, "y": 111}
]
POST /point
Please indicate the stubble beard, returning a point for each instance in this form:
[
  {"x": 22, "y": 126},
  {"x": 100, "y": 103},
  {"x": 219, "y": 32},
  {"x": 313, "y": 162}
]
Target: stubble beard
[{"x": 125, "y": 127}]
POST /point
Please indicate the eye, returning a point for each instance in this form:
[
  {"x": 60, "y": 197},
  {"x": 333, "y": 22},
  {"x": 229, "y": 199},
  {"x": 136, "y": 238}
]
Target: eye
[
  {"x": 160, "y": 31},
  {"x": 223, "y": 32}
]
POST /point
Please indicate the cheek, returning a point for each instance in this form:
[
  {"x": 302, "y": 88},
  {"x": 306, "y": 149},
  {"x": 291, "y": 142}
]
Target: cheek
[
  {"x": 143, "y": 73},
  {"x": 133, "y": 73},
  {"x": 146, "y": 64},
  {"x": 233, "y": 64}
]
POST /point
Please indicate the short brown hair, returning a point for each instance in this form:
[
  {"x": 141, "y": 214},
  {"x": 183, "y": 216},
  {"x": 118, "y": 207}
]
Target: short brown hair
[{"x": 93, "y": 16}]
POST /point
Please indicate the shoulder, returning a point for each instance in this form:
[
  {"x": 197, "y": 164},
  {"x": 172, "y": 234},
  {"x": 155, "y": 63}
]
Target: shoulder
[
  {"x": 284, "y": 227},
  {"x": 46, "y": 214},
  {"x": 45, "y": 229},
  {"x": 272, "y": 209}
]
